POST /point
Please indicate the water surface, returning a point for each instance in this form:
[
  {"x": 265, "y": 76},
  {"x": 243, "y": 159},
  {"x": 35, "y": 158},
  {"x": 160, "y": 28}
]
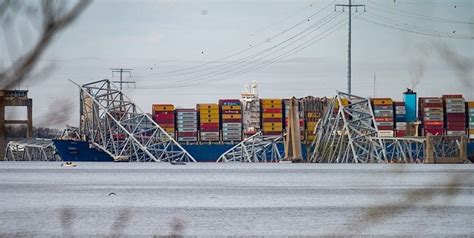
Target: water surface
[{"x": 45, "y": 199}]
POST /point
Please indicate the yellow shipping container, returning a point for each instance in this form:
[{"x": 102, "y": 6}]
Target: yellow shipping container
[
  {"x": 272, "y": 129},
  {"x": 313, "y": 115},
  {"x": 162, "y": 107},
  {"x": 231, "y": 107},
  {"x": 471, "y": 131},
  {"x": 209, "y": 116},
  {"x": 209, "y": 111},
  {"x": 272, "y": 124},
  {"x": 269, "y": 106},
  {"x": 310, "y": 138},
  {"x": 470, "y": 104},
  {"x": 271, "y": 101},
  {"x": 311, "y": 124},
  {"x": 382, "y": 101},
  {"x": 231, "y": 116},
  {"x": 206, "y": 120},
  {"x": 201, "y": 106},
  {"x": 272, "y": 115},
  {"x": 169, "y": 130}
]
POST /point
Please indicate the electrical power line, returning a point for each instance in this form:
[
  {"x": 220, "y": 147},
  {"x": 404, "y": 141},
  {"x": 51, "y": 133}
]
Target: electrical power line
[
  {"x": 274, "y": 49},
  {"x": 241, "y": 64},
  {"x": 397, "y": 11},
  {"x": 416, "y": 28},
  {"x": 121, "y": 71},
  {"x": 407, "y": 28},
  {"x": 270, "y": 61},
  {"x": 305, "y": 20}
]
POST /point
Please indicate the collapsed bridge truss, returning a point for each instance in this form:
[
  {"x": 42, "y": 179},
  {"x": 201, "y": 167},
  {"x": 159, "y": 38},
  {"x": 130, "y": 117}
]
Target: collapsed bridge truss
[
  {"x": 255, "y": 149},
  {"x": 347, "y": 133},
  {"x": 112, "y": 122}
]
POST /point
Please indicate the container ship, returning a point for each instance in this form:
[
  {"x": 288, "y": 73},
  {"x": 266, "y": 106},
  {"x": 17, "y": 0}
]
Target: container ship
[{"x": 210, "y": 129}]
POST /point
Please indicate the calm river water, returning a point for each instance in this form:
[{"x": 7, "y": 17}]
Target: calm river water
[{"x": 44, "y": 199}]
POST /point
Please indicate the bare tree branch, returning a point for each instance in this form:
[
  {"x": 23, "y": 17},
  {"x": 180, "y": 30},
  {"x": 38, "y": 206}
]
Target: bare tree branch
[{"x": 54, "y": 22}]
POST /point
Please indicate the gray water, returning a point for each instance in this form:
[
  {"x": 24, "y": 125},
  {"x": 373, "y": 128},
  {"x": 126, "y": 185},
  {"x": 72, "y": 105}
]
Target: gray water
[{"x": 44, "y": 199}]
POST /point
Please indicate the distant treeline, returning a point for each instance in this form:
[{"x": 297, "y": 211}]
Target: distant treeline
[{"x": 19, "y": 131}]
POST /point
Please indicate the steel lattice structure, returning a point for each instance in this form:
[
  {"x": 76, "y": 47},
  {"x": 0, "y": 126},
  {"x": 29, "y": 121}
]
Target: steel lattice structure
[
  {"x": 402, "y": 150},
  {"x": 255, "y": 149},
  {"x": 345, "y": 133},
  {"x": 112, "y": 122},
  {"x": 31, "y": 150}
]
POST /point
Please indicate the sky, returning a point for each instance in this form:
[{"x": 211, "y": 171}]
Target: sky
[{"x": 187, "y": 52}]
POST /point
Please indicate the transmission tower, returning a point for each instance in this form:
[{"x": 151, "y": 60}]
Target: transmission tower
[
  {"x": 121, "y": 71},
  {"x": 349, "y": 6}
]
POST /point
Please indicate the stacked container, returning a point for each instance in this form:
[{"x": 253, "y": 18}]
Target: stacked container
[
  {"x": 187, "y": 125},
  {"x": 400, "y": 119},
  {"x": 272, "y": 116},
  {"x": 231, "y": 117},
  {"x": 311, "y": 119},
  {"x": 163, "y": 114},
  {"x": 470, "y": 116},
  {"x": 209, "y": 122},
  {"x": 455, "y": 117},
  {"x": 383, "y": 113},
  {"x": 286, "y": 104},
  {"x": 431, "y": 114}
]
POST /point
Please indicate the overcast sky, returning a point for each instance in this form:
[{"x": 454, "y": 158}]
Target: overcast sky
[{"x": 154, "y": 38}]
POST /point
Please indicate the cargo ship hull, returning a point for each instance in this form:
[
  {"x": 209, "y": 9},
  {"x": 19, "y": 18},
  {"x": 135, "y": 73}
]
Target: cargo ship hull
[{"x": 72, "y": 150}]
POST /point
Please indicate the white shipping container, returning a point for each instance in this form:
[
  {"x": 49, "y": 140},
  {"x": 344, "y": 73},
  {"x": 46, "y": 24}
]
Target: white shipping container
[{"x": 386, "y": 133}]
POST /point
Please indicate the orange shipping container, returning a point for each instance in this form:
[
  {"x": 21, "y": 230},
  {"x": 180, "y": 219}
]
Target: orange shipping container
[{"x": 162, "y": 107}]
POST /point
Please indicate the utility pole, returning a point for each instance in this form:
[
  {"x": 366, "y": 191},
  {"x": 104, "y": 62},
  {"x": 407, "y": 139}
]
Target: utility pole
[
  {"x": 375, "y": 77},
  {"x": 121, "y": 71},
  {"x": 349, "y": 6}
]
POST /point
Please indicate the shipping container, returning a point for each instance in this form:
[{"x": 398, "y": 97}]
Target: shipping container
[
  {"x": 383, "y": 109},
  {"x": 455, "y": 114}
]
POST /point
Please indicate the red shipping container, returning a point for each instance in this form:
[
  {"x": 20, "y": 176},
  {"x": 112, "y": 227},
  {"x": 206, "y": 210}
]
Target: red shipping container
[
  {"x": 456, "y": 120},
  {"x": 166, "y": 117},
  {"x": 272, "y": 120},
  {"x": 209, "y": 125},
  {"x": 456, "y": 114},
  {"x": 400, "y": 133},
  {"x": 456, "y": 123},
  {"x": 164, "y": 121},
  {"x": 272, "y": 110},
  {"x": 164, "y": 113},
  {"x": 166, "y": 125},
  {"x": 434, "y": 131},
  {"x": 431, "y": 105},
  {"x": 383, "y": 119},
  {"x": 231, "y": 112},
  {"x": 452, "y": 96},
  {"x": 385, "y": 127},
  {"x": 399, "y": 103},
  {"x": 456, "y": 128},
  {"x": 187, "y": 134},
  {"x": 231, "y": 120},
  {"x": 433, "y": 123}
]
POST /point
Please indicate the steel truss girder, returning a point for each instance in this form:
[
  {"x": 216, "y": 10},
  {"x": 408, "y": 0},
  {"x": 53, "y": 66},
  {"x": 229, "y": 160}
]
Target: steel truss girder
[
  {"x": 344, "y": 134},
  {"x": 255, "y": 149},
  {"x": 31, "y": 150},
  {"x": 347, "y": 134},
  {"x": 111, "y": 121}
]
